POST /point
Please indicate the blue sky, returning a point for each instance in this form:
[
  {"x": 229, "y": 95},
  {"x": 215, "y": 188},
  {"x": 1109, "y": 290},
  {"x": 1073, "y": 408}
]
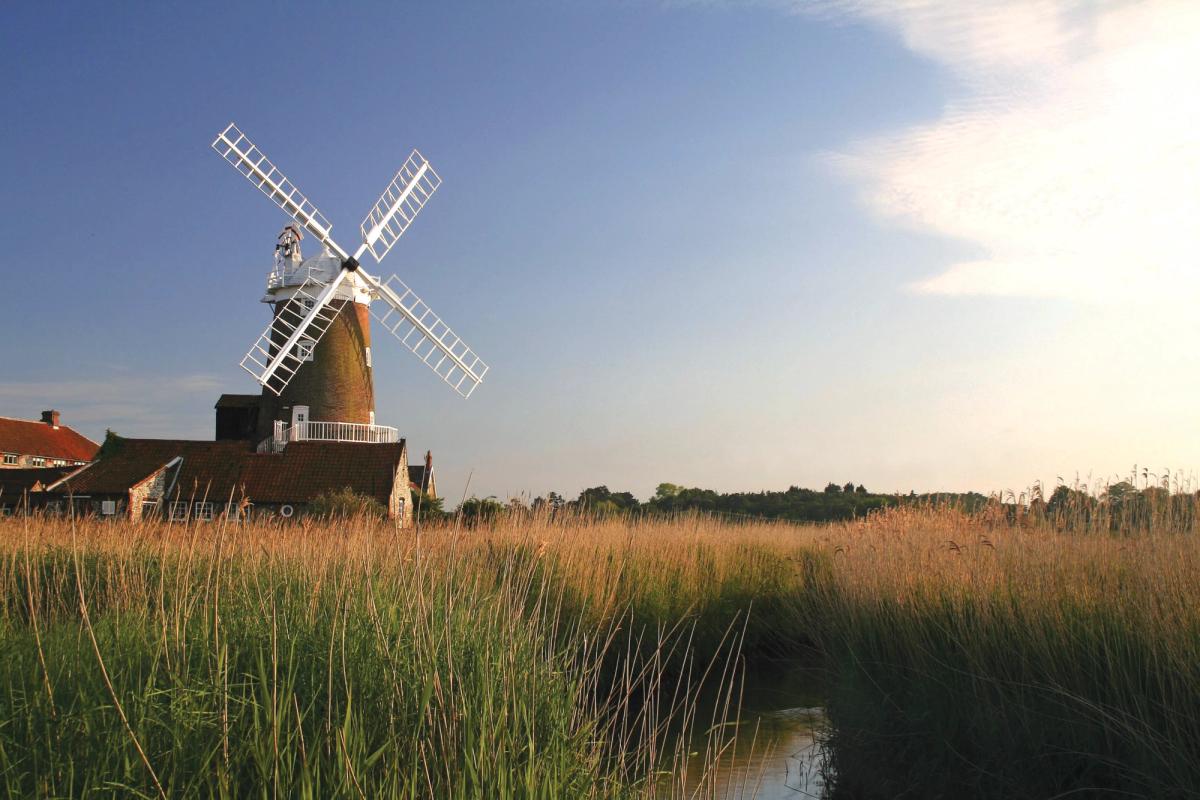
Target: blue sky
[{"x": 739, "y": 246}]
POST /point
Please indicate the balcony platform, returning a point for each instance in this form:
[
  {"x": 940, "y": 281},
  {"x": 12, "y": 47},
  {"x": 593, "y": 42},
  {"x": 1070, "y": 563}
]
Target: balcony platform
[{"x": 327, "y": 432}]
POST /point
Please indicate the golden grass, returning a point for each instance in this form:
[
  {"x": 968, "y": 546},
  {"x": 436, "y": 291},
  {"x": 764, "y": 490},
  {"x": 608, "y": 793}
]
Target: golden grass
[{"x": 989, "y": 653}]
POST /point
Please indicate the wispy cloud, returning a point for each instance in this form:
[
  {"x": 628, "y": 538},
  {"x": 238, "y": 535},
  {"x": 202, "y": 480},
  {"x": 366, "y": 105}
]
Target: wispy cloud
[
  {"x": 134, "y": 405},
  {"x": 1069, "y": 156}
]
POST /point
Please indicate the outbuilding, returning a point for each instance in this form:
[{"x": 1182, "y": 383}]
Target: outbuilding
[{"x": 182, "y": 480}]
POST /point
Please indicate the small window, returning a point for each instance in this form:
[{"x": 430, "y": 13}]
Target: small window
[
  {"x": 58, "y": 462},
  {"x": 108, "y": 507},
  {"x": 149, "y": 508},
  {"x": 11, "y": 458},
  {"x": 54, "y": 507},
  {"x": 203, "y": 512},
  {"x": 37, "y": 461},
  {"x": 79, "y": 463},
  {"x": 179, "y": 511},
  {"x": 368, "y": 355},
  {"x": 304, "y": 349},
  {"x": 286, "y": 510}
]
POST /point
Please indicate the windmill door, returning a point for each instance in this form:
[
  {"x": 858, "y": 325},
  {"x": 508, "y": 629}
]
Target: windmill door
[{"x": 300, "y": 422}]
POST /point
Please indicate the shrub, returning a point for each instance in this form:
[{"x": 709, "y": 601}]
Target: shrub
[{"x": 344, "y": 504}]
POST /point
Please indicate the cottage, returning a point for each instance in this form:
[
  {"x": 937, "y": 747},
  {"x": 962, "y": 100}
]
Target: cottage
[
  {"x": 192, "y": 480},
  {"x": 26, "y": 444},
  {"x": 420, "y": 477},
  {"x": 24, "y": 489}
]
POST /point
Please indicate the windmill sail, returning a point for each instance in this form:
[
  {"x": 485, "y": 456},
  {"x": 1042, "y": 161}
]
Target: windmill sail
[
  {"x": 294, "y": 332},
  {"x": 410, "y": 320},
  {"x": 408, "y": 192},
  {"x": 233, "y": 146},
  {"x": 307, "y": 313}
]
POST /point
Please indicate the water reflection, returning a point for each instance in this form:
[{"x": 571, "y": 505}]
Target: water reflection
[
  {"x": 775, "y": 754},
  {"x": 775, "y": 757}
]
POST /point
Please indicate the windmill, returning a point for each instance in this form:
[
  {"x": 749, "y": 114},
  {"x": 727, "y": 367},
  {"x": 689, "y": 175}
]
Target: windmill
[{"x": 314, "y": 358}]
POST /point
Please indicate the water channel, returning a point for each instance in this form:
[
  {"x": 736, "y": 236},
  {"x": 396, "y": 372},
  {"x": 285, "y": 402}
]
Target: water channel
[{"x": 776, "y": 753}]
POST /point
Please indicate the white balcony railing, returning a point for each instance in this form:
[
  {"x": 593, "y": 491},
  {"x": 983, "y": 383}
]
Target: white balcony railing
[
  {"x": 327, "y": 432},
  {"x": 285, "y": 273}
]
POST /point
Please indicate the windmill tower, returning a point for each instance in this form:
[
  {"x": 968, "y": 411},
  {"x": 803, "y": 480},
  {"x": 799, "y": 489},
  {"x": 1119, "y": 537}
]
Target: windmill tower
[
  {"x": 314, "y": 359},
  {"x": 333, "y": 381}
]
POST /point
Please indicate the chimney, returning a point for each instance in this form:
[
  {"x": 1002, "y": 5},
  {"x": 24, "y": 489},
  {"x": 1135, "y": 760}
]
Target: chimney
[{"x": 50, "y": 418}]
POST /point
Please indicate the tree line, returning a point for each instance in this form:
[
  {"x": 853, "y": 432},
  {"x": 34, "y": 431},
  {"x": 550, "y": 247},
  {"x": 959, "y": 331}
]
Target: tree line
[{"x": 836, "y": 502}]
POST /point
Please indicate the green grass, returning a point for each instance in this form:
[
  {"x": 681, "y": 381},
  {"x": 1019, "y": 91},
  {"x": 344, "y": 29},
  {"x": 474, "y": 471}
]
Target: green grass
[
  {"x": 988, "y": 655},
  {"x": 341, "y": 669}
]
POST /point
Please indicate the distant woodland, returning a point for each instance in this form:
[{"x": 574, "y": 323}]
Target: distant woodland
[
  {"x": 1124, "y": 505},
  {"x": 834, "y": 502}
]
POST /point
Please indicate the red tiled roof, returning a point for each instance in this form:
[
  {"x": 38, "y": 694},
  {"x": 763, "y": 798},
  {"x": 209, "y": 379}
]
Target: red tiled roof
[
  {"x": 417, "y": 477},
  {"x": 306, "y": 469},
  {"x": 18, "y": 481},
  {"x": 210, "y": 467},
  {"x": 226, "y": 470},
  {"x": 28, "y": 437}
]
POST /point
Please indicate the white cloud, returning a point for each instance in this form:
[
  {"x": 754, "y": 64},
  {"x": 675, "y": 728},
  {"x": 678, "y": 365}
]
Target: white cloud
[{"x": 1070, "y": 158}]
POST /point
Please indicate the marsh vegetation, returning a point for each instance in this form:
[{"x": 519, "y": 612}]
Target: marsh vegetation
[{"x": 551, "y": 655}]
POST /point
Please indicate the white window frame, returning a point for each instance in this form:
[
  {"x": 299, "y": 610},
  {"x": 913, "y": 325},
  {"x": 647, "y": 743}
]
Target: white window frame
[
  {"x": 11, "y": 458},
  {"x": 149, "y": 508},
  {"x": 304, "y": 349},
  {"x": 368, "y": 355},
  {"x": 108, "y": 508},
  {"x": 175, "y": 509},
  {"x": 58, "y": 462},
  {"x": 202, "y": 511},
  {"x": 37, "y": 461}
]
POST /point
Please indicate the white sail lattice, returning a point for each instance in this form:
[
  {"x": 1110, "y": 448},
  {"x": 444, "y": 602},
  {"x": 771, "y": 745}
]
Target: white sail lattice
[
  {"x": 273, "y": 367},
  {"x": 409, "y": 319},
  {"x": 308, "y": 311},
  {"x": 233, "y": 146},
  {"x": 408, "y": 192}
]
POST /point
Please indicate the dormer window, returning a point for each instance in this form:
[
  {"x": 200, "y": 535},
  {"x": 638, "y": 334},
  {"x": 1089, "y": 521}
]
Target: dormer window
[
  {"x": 11, "y": 459},
  {"x": 37, "y": 461}
]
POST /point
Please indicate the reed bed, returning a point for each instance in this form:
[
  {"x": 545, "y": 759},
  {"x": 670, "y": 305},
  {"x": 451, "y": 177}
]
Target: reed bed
[
  {"x": 986, "y": 654},
  {"x": 981, "y": 656}
]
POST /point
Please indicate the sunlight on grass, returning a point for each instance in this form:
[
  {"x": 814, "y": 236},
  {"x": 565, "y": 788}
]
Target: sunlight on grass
[{"x": 552, "y": 656}]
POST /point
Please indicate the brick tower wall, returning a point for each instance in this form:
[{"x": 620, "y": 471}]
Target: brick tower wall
[{"x": 336, "y": 385}]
